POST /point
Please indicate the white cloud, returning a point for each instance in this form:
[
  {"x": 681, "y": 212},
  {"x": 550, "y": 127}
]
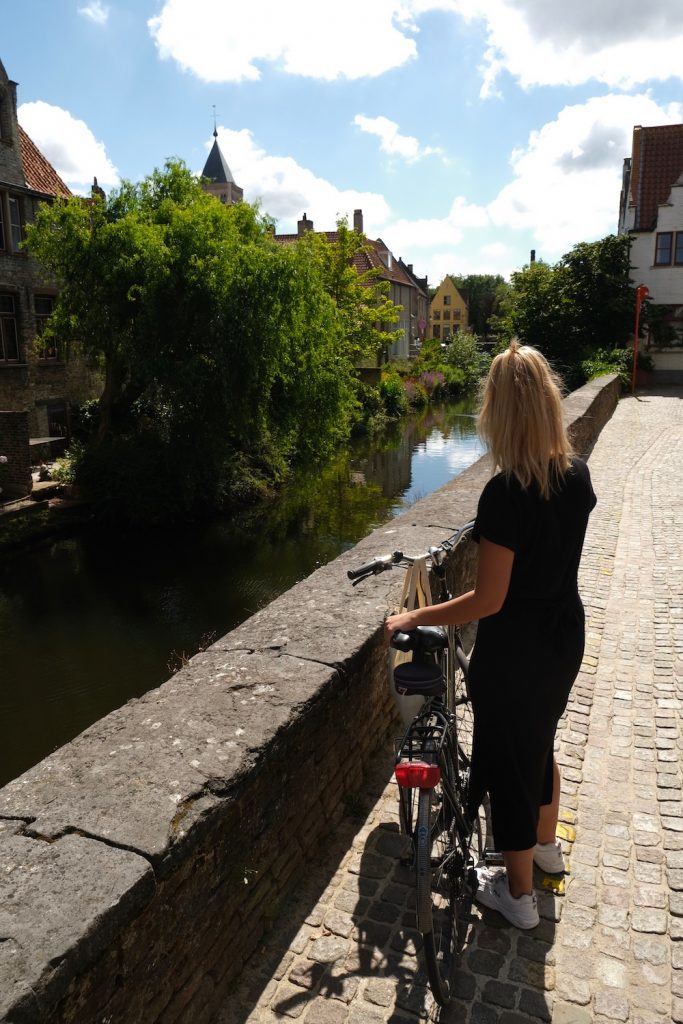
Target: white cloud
[
  {"x": 621, "y": 43},
  {"x": 222, "y": 42},
  {"x": 567, "y": 179},
  {"x": 286, "y": 189},
  {"x": 539, "y": 42},
  {"x": 69, "y": 145},
  {"x": 391, "y": 140},
  {"x": 95, "y": 11}
]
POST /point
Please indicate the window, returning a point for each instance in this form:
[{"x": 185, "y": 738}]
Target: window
[
  {"x": 15, "y": 223},
  {"x": 15, "y": 230},
  {"x": 436, "y": 315},
  {"x": 678, "y": 254},
  {"x": 457, "y": 314},
  {"x": 663, "y": 248},
  {"x": 447, "y": 300},
  {"x": 44, "y": 305},
  {"x": 446, "y": 333},
  {"x": 57, "y": 423},
  {"x": 446, "y": 314},
  {"x": 437, "y": 330},
  {"x": 9, "y": 336}
]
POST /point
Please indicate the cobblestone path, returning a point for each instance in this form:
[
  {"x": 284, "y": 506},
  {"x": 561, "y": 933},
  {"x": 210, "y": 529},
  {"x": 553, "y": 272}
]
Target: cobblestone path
[{"x": 611, "y": 948}]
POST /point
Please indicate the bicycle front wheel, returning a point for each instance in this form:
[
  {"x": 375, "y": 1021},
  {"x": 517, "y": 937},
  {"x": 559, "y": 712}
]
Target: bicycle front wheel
[{"x": 436, "y": 918}]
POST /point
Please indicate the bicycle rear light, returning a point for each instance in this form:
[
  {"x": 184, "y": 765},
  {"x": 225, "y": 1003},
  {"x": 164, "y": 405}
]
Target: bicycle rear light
[{"x": 417, "y": 775}]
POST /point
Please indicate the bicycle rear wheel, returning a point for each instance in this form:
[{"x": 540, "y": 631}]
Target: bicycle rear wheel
[{"x": 436, "y": 905}]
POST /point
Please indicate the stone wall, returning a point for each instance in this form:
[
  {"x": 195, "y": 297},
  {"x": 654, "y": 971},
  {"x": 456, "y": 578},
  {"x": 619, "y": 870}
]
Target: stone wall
[
  {"x": 141, "y": 864},
  {"x": 15, "y": 474}
]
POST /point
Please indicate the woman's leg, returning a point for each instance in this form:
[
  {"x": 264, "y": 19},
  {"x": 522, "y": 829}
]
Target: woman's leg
[
  {"x": 548, "y": 813},
  {"x": 519, "y": 865}
]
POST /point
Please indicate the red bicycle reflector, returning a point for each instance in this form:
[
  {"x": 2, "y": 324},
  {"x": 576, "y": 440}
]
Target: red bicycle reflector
[{"x": 417, "y": 775}]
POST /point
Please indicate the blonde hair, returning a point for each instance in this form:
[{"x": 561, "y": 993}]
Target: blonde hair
[{"x": 521, "y": 418}]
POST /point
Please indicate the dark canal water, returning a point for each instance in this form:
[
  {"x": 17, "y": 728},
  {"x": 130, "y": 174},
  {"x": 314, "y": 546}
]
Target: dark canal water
[{"x": 88, "y": 622}]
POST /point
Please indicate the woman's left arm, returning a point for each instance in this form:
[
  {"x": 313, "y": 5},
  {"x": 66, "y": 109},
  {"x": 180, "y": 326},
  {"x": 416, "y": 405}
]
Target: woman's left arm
[{"x": 490, "y": 591}]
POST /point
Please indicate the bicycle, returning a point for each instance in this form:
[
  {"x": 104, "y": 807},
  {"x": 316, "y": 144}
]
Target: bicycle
[{"x": 432, "y": 767}]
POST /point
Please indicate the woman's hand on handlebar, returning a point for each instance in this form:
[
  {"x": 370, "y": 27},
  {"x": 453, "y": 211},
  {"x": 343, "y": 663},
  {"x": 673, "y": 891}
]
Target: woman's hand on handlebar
[{"x": 402, "y": 623}]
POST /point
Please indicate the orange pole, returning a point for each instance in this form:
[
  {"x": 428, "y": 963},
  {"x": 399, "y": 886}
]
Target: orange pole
[{"x": 641, "y": 293}]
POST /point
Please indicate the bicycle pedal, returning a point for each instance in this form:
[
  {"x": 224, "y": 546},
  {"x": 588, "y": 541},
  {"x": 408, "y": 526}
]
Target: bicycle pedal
[{"x": 493, "y": 859}]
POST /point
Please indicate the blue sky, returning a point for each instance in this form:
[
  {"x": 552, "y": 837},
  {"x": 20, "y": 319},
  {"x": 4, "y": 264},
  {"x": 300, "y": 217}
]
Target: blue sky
[{"x": 468, "y": 131}]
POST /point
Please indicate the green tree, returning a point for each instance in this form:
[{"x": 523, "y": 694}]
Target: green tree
[
  {"x": 220, "y": 348},
  {"x": 569, "y": 311},
  {"x": 484, "y": 294},
  {"x": 361, "y": 297}
]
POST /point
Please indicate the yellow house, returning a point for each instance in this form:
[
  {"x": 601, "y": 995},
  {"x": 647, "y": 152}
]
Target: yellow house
[{"x": 447, "y": 311}]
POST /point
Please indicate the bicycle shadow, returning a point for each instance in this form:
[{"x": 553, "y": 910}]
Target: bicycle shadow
[
  {"x": 494, "y": 964},
  {"x": 386, "y": 958}
]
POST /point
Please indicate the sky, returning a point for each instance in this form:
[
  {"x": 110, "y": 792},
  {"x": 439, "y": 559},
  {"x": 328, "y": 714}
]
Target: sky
[{"x": 468, "y": 131}]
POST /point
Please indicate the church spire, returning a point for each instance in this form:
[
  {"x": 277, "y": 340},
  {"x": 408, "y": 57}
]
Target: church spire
[{"x": 220, "y": 181}]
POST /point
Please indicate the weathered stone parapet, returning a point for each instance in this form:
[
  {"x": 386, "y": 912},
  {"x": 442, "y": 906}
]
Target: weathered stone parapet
[{"x": 141, "y": 863}]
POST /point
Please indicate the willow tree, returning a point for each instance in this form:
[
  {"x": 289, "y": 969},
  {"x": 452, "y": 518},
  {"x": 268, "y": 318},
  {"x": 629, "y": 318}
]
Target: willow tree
[{"x": 224, "y": 355}]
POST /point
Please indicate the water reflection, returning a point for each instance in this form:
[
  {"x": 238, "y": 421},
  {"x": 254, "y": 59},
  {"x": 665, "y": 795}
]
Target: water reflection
[{"x": 89, "y": 622}]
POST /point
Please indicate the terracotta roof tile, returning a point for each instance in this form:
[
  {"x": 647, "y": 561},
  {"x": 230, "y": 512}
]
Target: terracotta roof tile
[
  {"x": 39, "y": 173},
  {"x": 656, "y": 164}
]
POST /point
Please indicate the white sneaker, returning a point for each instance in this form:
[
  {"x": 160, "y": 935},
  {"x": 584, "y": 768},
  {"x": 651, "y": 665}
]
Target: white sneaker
[
  {"x": 548, "y": 857},
  {"x": 493, "y": 891}
]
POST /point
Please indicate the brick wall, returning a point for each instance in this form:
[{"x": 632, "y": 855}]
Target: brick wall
[
  {"x": 15, "y": 475},
  {"x": 143, "y": 862}
]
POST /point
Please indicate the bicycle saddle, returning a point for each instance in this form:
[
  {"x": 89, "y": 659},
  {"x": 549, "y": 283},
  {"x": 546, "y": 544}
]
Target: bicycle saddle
[
  {"x": 415, "y": 679},
  {"x": 425, "y": 638}
]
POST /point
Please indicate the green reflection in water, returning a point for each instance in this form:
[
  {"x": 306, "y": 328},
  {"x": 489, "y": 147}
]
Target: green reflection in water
[{"x": 89, "y": 622}]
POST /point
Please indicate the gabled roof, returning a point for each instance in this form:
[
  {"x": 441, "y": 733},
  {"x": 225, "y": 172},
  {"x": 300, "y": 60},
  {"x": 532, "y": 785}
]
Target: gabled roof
[
  {"x": 656, "y": 165},
  {"x": 375, "y": 258},
  {"x": 460, "y": 292},
  {"x": 216, "y": 168},
  {"x": 39, "y": 173}
]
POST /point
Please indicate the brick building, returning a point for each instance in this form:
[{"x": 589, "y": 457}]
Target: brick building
[{"x": 35, "y": 379}]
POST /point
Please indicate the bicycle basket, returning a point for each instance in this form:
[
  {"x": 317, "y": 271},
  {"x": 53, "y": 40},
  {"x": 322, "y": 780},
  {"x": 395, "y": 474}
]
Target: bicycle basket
[{"x": 414, "y": 679}]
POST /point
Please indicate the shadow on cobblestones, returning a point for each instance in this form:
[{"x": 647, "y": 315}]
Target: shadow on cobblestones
[{"x": 346, "y": 949}]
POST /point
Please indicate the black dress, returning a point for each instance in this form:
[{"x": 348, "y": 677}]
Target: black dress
[{"x": 528, "y": 654}]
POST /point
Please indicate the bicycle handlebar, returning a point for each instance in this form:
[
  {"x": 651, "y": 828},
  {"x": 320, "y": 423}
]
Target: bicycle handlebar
[
  {"x": 376, "y": 566},
  {"x": 380, "y": 564}
]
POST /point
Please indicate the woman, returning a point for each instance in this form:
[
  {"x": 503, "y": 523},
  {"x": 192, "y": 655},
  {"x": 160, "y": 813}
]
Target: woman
[{"x": 530, "y": 526}]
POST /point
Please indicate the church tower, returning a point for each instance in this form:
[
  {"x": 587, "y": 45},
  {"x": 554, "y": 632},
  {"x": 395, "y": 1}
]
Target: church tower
[{"x": 219, "y": 180}]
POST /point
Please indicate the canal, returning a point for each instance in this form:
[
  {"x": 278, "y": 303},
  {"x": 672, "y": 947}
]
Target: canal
[{"x": 90, "y": 621}]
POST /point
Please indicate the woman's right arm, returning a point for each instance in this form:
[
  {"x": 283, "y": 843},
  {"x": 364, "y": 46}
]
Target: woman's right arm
[{"x": 490, "y": 591}]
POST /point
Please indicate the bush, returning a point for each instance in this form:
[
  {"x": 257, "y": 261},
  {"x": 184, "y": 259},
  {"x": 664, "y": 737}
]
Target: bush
[
  {"x": 393, "y": 396},
  {"x": 464, "y": 354},
  {"x": 615, "y": 360},
  {"x": 433, "y": 381},
  {"x": 65, "y": 469},
  {"x": 415, "y": 393}
]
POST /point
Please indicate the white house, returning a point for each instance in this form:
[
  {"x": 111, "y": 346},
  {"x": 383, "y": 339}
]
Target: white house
[{"x": 651, "y": 212}]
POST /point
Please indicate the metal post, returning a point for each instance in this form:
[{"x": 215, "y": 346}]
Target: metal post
[{"x": 642, "y": 292}]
